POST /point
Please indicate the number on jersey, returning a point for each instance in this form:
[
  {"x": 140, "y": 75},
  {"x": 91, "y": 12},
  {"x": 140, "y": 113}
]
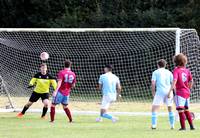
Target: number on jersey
[{"x": 69, "y": 78}]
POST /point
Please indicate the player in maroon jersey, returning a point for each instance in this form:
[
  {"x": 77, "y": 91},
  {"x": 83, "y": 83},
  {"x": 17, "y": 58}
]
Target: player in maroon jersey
[
  {"x": 66, "y": 81},
  {"x": 182, "y": 83}
]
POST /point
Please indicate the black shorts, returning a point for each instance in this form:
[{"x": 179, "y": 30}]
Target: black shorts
[{"x": 36, "y": 96}]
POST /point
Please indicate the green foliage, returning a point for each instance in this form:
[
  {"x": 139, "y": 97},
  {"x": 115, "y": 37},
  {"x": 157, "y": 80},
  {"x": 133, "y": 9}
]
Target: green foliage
[{"x": 100, "y": 13}]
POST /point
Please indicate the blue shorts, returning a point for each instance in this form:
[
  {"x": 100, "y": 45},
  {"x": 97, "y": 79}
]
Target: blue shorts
[
  {"x": 181, "y": 103},
  {"x": 60, "y": 98}
]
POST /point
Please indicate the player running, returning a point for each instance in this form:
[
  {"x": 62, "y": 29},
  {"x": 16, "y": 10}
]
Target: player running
[
  {"x": 110, "y": 86},
  {"x": 161, "y": 82},
  {"x": 42, "y": 82},
  {"x": 66, "y": 81},
  {"x": 182, "y": 84}
]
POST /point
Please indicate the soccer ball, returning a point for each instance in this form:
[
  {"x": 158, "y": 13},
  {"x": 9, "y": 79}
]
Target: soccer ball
[{"x": 44, "y": 56}]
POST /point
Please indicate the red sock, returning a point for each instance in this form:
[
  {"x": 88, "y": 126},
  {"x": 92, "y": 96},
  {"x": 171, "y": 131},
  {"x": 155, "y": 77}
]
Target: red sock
[
  {"x": 182, "y": 119},
  {"x": 52, "y": 113},
  {"x": 189, "y": 118},
  {"x": 68, "y": 113}
]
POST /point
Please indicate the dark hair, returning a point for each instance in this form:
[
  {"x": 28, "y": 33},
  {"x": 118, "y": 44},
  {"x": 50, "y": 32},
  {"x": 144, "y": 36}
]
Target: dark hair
[
  {"x": 43, "y": 64},
  {"x": 109, "y": 66},
  {"x": 180, "y": 60},
  {"x": 68, "y": 63},
  {"x": 162, "y": 63}
]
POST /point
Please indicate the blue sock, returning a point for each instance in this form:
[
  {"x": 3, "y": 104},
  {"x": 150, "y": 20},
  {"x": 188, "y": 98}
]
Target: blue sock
[
  {"x": 171, "y": 119},
  {"x": 107, "y": 116},
  {"x": 154, "y": 119}
]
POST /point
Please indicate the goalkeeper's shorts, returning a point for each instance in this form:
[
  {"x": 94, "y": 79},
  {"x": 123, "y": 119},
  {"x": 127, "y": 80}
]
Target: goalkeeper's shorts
[{"x": 36, "y": 96}]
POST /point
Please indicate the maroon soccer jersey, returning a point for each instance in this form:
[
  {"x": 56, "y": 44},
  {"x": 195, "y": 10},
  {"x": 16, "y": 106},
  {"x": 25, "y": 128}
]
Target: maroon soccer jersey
[
  {"x": 68, "y": 79},
  {"x": 183, "y": 77}
]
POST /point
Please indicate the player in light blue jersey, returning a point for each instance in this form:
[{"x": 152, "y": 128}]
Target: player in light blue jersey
[
  {"x": 161, "y": 82},
  {"x": 110, "y": 86}
]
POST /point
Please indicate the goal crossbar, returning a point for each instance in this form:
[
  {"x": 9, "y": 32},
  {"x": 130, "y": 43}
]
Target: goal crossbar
[{"x": 86, "y": 29}]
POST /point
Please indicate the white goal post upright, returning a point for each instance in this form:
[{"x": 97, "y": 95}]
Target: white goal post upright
[
  {"x": 178, "y": 34},
  {"x": 132, "y": 51}
]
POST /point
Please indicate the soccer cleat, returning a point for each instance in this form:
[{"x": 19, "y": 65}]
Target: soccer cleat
[
  {"x": 172, "y": 127},
  {"x": 44, "y": 117},
  {"x": 114, "y": 119},
  {"x": 182, "y": 129},
  {"x": 71, "y": 122},
  {"x": 153, "y": 128},
  {"x": 51, "y": 122},
  {"x": 192, "y": 128},
  {"x": 20, "y": 115},
  {"x": 99, "y": 119}
]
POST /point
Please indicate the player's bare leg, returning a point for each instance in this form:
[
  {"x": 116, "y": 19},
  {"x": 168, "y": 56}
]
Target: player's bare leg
[
  {"x": 68, "y": 113},
  {"x": 45, "y": 108},
  {"x": 99, "y": 119},
  {"x": 154, "y": 111},
  {"x": 52, "y": 112},
  {"x": 103, "y": 111},
  {"x": 19, "y": 115},
  {"x": 171, "y": 117}
]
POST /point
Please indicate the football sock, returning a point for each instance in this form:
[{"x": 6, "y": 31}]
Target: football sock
[
  {"x": 108, "y": 116},
  {"x": 182, "y": 119},
  {"x": 24, "y": 109},
  {"x": 52, "y": 113},
  {"x": 171, "y": 119},
  {"x": 44, "y": 111},
  {"x": 68, "y": 113},
  {"x": 189, "y": 118},
  {"x": 154, "y": 119}
]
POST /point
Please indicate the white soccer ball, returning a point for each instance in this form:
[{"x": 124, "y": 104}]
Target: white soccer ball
[{"x": 44, "y": 56}]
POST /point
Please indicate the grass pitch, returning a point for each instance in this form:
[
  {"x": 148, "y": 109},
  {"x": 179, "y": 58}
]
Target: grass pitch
[{"x": 31, "y": 126}]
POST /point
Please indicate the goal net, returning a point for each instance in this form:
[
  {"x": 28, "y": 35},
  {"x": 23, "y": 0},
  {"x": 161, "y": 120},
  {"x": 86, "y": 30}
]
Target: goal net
[{"x": 132, "y": 52}]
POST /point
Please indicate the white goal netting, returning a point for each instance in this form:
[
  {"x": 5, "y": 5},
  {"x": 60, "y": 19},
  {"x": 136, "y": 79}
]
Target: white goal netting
[{"x": 132, "y": 52}]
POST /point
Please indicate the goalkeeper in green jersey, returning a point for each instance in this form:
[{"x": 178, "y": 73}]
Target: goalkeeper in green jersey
[{"x": 42, "y": 82}]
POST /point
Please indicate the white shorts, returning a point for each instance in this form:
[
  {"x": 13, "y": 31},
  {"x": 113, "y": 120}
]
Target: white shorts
[
  {"x": 107, "y": 100},
  {"x": 160, "y": 100},
  {"x": 182, "y": 103}
]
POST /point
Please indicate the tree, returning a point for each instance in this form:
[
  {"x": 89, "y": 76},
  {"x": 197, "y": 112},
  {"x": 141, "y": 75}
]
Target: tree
[{"x": 100, "y": 13}]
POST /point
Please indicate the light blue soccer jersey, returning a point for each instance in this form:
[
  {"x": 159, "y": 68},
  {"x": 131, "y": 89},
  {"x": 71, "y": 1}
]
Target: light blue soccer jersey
[
  {"x": 109, "y": 83},
  {"x": 163, "y": 79}
]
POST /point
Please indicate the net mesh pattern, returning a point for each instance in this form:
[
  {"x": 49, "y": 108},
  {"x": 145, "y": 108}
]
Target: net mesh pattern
[{"x": 133, "y": 55}]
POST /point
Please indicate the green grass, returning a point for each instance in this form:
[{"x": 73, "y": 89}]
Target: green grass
[{"x": 31, "y": 126}]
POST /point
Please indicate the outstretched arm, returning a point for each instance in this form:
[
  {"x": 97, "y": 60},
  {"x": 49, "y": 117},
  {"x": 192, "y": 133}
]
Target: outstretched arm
[
  {"x": 54, "y": 84},
  {"x": 32, "y": 83},
  {"x": 57, "y": 88}
]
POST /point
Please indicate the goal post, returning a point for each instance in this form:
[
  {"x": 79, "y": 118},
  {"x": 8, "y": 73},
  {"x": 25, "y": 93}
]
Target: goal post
[
  {"x": 4, "y": 92},
  {"x": 178, "y": 34},
  {"x": 132, "y": 51}
]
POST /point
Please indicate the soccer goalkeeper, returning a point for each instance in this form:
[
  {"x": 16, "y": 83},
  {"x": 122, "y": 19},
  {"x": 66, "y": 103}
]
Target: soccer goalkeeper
[{"x": 42, "y": 82}]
